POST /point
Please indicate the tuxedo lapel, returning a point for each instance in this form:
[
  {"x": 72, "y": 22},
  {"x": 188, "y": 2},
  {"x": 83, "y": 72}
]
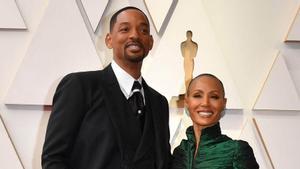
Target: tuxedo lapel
[
  {"x": 113, "y": 96},
  {"x": 128, "y": 133}
]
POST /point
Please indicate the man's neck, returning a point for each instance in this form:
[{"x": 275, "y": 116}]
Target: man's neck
[{"x": 133, "y": 69}]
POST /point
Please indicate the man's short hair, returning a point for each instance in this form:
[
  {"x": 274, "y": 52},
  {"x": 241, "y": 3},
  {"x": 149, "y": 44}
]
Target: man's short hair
[{"x": 113, "y": 19}]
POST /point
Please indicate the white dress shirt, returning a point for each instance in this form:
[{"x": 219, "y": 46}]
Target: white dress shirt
[{"x": 125, "y": 80}]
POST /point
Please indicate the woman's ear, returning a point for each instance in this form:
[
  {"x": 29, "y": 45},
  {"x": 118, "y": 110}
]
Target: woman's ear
[
  {"x": 108, "y": 41},
  {"x": 185, "y": 100}
]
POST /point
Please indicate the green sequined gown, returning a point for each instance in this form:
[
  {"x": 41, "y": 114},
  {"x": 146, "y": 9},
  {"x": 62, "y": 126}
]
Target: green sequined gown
[{"x": 216, "y": 151}]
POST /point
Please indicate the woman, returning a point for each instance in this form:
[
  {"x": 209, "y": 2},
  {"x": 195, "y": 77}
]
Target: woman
[{"x": 206, "y": 147}]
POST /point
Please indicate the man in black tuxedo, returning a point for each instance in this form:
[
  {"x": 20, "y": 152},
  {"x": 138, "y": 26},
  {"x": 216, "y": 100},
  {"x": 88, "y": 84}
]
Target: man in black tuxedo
[{"x": 93, "y": 125}]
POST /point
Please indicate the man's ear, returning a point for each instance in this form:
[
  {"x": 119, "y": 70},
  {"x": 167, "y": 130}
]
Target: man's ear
[
  {"x": 151, "y": 43},
  {"x": 108, "y": 41}
]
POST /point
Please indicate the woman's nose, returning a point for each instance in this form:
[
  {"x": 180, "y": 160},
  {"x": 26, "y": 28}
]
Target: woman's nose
[{"x": 205, "y": 101}]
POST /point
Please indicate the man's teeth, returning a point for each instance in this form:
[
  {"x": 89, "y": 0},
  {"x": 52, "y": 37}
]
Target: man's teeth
[
  {"x": 134, "y": 47},
  {"x": 205, "y": 113}
]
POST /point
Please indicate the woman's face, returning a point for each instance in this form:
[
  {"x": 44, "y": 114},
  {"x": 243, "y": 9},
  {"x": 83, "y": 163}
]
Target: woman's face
[{"x": 205, "y": 101}]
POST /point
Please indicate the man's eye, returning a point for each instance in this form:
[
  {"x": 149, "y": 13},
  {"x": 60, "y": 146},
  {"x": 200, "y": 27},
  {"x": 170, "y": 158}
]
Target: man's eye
[
  {"x": 124, "y": 29},
  {"x": 145, "y": 30}
]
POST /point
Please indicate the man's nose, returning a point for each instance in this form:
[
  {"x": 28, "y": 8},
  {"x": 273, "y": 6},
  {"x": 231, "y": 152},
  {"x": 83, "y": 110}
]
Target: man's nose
[{"x": 134, "y": 34}]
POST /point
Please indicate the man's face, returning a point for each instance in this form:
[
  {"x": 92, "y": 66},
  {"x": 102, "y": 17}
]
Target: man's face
[{"x": 130, "y": 37}]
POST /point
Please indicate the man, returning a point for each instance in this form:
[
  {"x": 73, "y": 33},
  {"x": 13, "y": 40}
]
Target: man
[{"x": 93, "y": 125}]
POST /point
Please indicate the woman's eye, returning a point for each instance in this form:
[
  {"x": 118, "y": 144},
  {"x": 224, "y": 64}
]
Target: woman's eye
[
  {"x": 197, "y": 95},
  {"x": 215, "y": 97}
]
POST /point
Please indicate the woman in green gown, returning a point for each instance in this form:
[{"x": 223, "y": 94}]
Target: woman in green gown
[{"x": 206, "y": 147}]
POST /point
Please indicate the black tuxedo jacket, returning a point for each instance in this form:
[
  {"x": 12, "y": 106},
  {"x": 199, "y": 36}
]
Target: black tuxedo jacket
[{"x": 84, "y": 129}]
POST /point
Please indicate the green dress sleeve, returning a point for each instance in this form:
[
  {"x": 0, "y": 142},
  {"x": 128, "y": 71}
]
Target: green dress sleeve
[{"x": 244, "y": 157}]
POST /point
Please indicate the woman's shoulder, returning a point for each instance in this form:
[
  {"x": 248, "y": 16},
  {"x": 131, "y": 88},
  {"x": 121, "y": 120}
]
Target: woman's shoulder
[
  {"x": 241, "y": 145},
  {"x": 183, "y": 152},
  {"x": 238, "y": 145},
  {"x": 182, "y": 147},
  {"x": 180, "y": 155},
  {"x": 244, "y": 155}
]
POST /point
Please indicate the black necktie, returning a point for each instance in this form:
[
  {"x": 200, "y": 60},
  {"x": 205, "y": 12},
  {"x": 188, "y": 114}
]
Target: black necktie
[{"x": 136, "y": 101}]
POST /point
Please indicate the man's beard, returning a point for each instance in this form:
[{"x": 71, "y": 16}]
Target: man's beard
[{"x": 135, "y": 58}]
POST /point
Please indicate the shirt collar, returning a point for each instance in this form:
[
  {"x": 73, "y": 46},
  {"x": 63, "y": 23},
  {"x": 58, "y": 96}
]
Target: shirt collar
[{"x": 125, "y": 80}]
